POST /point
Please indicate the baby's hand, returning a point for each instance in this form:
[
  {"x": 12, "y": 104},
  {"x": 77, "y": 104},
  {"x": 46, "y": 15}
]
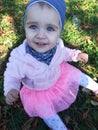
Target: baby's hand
[
  {"x": 83, "y": 57},
  {"x": 12, "y": 96}
]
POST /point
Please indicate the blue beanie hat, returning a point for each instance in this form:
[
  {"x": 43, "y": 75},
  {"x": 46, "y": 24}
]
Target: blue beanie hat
[{"x": 58, "y": 5}]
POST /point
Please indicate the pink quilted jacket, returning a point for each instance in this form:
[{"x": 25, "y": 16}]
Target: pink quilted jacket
[{"x": 24, "y": 68}]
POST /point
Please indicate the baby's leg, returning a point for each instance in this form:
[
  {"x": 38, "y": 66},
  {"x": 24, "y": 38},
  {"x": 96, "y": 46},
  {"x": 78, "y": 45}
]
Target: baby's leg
[
  {"x": 55, "y": 123},
  {"x": 89, "y": 83}
]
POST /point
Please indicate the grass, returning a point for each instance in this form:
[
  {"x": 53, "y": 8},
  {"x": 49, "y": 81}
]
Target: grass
[{"x": 80, "y": 31}]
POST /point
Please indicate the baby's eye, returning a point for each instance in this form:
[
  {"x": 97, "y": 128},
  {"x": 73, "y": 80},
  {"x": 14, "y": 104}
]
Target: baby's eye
[
  {"x": 50, "y": 29},
  {"x": 33, "y": 27}
]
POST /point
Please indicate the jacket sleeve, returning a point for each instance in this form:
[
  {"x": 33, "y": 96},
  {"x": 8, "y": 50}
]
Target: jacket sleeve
[
  {"x": 71, "y": 54},
  {"x": 12, "y": 75}
]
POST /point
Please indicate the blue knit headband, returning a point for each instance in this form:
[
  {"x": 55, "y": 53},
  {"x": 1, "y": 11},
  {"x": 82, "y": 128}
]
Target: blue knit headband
[{"x": 58, "y": 5}]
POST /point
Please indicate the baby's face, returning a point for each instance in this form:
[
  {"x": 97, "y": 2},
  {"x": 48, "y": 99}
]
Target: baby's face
[{"x": 42, "y": 27}]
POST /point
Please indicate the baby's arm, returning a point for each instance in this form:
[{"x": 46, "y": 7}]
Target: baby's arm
[
  {"x": 12, "y": 81},
  {"x": 75, "y": 55},
  {"x": 11, "y": 85}
]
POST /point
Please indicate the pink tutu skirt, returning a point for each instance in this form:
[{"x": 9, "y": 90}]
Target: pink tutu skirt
[{"x": 46, "y": 103}]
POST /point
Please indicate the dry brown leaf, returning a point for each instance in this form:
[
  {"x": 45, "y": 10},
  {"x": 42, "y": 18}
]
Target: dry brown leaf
[
  {"x": 85, "y": 114},
  {"x": 85, "y": 27},
  {"x": 97, "y": 39}
]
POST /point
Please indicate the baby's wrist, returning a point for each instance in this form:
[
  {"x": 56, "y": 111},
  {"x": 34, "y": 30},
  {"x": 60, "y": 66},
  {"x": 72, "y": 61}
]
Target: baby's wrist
[{"x": 76, "y": 55}]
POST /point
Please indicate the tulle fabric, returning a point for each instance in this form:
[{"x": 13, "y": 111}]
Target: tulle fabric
[{"x": 45, "y": 103}]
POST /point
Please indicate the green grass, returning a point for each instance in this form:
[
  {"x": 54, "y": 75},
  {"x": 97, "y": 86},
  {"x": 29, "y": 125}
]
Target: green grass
[{"x": 80, "y": 31}]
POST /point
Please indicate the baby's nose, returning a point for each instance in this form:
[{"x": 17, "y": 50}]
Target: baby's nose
[{"x": 41, "y": 33}]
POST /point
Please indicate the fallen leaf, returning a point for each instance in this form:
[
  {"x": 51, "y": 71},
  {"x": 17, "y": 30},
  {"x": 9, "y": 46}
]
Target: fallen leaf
[
  {"x": 97, "y": 39},
  {"x": 67, "y": 119},
  {"x": 1, "y": 8},
  {"x": 85, "y": 27},
  {"x": 85, "y": 114},
  {"x": 88, "y": 37}
]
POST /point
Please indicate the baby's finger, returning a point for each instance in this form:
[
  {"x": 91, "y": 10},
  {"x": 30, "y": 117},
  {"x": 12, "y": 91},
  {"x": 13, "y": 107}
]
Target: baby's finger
[
  {"x": 15, "y": 96},
  {"x": 83, "y": 59},
  {"x": 8, "y": 101}
]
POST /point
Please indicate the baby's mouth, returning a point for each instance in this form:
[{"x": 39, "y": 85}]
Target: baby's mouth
[{"x": 40, "y": 43}]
